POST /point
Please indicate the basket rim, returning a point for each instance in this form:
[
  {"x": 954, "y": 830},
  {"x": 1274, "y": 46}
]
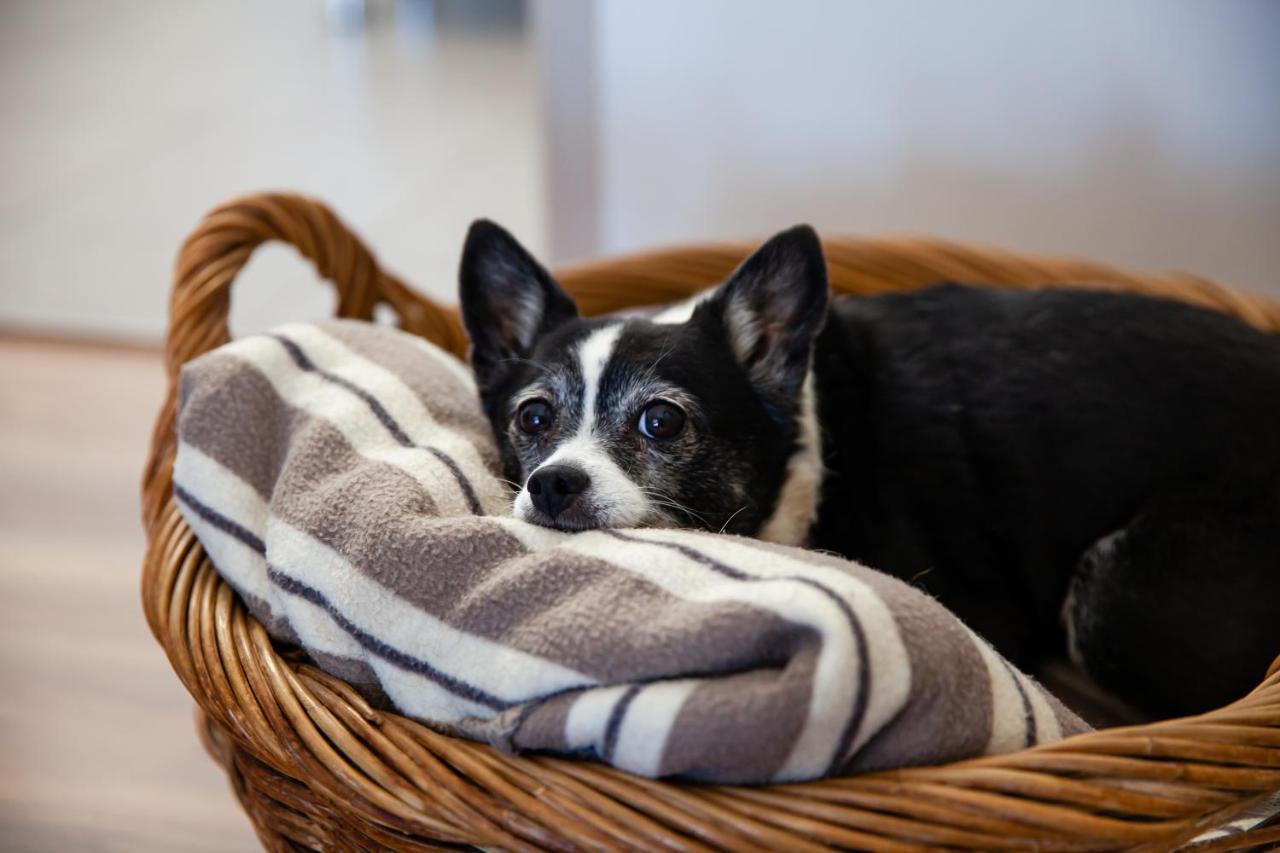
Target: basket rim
[{"x": 370, "y": 771}]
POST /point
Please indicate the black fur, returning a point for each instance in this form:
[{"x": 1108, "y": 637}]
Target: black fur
[
  {"x": 729, "y": 464},
  {"x": 997, "y": 448},
  {"x": 770, "y": 309},
  {"x": 509, "y": 301},
  {"x": 735, "y": 366},
  {"x": 1186, "y": 588},
  {"x": 980, "y": 442}
]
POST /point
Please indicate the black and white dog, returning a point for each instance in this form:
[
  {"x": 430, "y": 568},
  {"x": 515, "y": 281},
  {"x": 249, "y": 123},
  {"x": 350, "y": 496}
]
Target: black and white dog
[{"x": 1030, "y": 458}]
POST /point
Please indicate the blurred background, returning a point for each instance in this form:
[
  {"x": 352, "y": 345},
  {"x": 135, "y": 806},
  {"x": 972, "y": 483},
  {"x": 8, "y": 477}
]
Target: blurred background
[{"x": 1144, "y": 133}]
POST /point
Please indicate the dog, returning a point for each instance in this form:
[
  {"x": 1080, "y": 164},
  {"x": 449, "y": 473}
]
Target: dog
[{"x": 1061, "y": 468}]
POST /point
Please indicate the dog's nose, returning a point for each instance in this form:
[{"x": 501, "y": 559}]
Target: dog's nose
[{"x": 554, "y": 488}]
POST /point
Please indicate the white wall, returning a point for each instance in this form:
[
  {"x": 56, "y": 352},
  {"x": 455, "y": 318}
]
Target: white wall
[
  {"x": 124, "y": 121},
  {"x": 1144, "y": 132}
]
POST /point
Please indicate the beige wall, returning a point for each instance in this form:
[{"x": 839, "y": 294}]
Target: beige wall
[
  {"x": 1145, "y": 132},
  {"x": 125, "y": 120}
]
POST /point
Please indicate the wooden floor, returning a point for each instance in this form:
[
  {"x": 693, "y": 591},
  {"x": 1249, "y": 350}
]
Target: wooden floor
[{"x": 97, "y": 748}]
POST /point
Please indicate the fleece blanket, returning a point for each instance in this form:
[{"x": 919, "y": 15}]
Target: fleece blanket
[{"x": 343, "y": 480}]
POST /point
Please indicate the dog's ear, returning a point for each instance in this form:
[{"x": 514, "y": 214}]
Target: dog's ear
[
  {"x": 508, "y": 300},
  {"x": 771, "y": 308}
]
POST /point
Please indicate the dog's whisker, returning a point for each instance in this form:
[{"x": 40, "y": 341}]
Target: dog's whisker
[
  {"x": 663, "y": 499},
  {"x": 667, "y": 349},
  {"x": 729, "y": 520}
]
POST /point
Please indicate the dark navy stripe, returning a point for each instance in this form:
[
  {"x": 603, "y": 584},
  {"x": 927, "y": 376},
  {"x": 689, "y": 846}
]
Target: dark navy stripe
[
  {"x": 615, "y": 723},
  {"x": 863, "y": 697},
  {"x": 1028, "y": 712},
  {"x": 389, "y": 653},
  {"x": 384, "y": 417},
  {"x": 859, "y": 710},
  {"x": 463, "y": 483},
  {"x": 368, "y": 641},
  {"x": 696, "y": 556},
  {"x": 219, "y": 520}
]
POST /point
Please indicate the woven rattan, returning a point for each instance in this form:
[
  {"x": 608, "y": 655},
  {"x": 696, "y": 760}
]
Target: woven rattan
[{"x": 316, "y": 767}]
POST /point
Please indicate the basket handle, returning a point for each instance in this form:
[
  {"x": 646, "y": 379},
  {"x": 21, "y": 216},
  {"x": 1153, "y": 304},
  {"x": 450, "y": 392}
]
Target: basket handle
[
  {"x": 200, "y": 302},
  {"x": 215, "y": 252}
]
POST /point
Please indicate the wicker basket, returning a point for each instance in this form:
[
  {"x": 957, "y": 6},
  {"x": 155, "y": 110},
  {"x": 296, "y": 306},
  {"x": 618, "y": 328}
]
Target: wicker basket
[{"x": 317, "y": 767}]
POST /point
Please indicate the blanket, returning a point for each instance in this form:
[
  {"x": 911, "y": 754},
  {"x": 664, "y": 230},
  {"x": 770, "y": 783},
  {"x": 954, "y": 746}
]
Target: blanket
[{"x": 343, "y": 479}]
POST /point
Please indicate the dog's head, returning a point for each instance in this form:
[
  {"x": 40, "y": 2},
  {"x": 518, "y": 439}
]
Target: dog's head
[{"x": 701, "y": 416}]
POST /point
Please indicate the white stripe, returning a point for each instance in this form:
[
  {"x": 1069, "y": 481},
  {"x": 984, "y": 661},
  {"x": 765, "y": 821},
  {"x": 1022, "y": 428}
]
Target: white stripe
[
  {"x": 533, "y": 537},
  {"x": 887, "y": 657},
  {"x": 593, "y": 355},
  {"x": 617, "y": 500},
  {"x": 1008, "y": 717},
  {"x": 642, "y": 737},
  {"x": 835, "y": 677},
  {"x": 682, "y": 311},
  {"x": 367, "y": 436},
  {"x": 243, "y": 567},
  {"x": 585, "y": 723},
  {"x": 223, "y": 491},
  {"x": 497, "y": 669},
  {"x": 447, "y": 360},
  {"x": 501, "y": 670},
  {"x": 405, "y": 407},
  {"x": 797, "y": 507},
  {"x": 202, "y": 475},
  {"x": 1046, "y": 721}
]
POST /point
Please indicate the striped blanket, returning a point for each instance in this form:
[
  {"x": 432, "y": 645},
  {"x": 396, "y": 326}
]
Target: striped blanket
[{"x": 342, "y": 479}]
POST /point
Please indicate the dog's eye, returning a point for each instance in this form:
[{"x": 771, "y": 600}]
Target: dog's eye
[
  {"x": 535, "y": 416},
  {"x": 661, "y": 420}
]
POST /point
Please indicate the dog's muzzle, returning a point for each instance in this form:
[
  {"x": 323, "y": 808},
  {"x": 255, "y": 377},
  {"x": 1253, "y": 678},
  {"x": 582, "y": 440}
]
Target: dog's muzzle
[{"x": 555, "y": 490}]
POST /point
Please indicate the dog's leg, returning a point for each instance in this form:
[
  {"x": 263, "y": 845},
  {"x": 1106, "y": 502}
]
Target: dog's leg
[{"x": 1179, "y": 612}]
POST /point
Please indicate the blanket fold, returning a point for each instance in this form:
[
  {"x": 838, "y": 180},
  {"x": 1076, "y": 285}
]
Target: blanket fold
[{"x": 341, "y": 477}]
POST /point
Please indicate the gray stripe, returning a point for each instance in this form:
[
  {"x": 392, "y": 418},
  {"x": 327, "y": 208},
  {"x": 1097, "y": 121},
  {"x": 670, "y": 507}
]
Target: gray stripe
[
  {"x": 537, "y": 724},
  {"x": 757, "y": 669},
  {"x": 385, "y": 524},
  {"x": 377, "y": 646},
  {"x": 369, "y": 642},
  {"x": 355, "y": 672},
  {"x": 778, "y": 699},
  {"x": 237, "y": 418},
  {"x": 862, "y": 695},
  {"x": 234, "y": 415},
  {"x": 950, "y": 693},
  {"x": 452, "y": 402},
  {"x": 278, "y": 627},
  {"x": 394, "y": 429},
  {"x": 951, "y": 686},
  {"x": 542, "y": 603}
]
